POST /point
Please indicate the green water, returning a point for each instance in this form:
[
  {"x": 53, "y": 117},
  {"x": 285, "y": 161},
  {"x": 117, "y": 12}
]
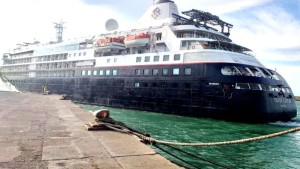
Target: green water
[{"x": 275, "y": 153}]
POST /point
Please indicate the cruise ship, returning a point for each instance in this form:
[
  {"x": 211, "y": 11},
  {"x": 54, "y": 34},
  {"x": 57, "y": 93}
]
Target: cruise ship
[{"x": 177, "y": 63}]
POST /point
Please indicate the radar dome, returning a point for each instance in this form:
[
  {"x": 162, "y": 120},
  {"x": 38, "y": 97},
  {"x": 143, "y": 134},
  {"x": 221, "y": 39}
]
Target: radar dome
[{"x": 111, "y": 25}]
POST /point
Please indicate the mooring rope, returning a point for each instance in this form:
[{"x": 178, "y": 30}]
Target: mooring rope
[{"x": 199, "y": 144}]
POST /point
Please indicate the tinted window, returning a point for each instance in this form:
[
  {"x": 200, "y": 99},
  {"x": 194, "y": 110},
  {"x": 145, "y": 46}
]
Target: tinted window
[
  {"x": 147, "y": 59},
  {"x": 156, "y": 58},
  {"x": 146, "y": 71},
  {"x": 155, "y": 71},
  {"x": 138, "y": 59},
  {"x": 138, "y": 72},
  {"x": 166, "y": 58},
  {"x": 187, "y": 71},
  {"x": 177, "y": 57},
  {"x": 165, "y": 71}
]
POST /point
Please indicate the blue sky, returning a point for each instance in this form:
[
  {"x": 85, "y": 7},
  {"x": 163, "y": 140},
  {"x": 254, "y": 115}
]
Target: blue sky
[{"x": 271, "y": 28}]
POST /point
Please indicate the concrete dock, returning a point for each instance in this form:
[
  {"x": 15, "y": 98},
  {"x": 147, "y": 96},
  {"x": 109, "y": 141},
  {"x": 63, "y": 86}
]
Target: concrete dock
[{"x": 42, "y": 131}]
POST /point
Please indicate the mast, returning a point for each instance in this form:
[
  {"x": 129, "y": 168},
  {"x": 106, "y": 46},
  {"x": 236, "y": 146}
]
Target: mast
[{"x": 59, "y": 31}]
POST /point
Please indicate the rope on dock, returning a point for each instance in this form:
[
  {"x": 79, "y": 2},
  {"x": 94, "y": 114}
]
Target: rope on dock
[{"x": 199, "y": 144}]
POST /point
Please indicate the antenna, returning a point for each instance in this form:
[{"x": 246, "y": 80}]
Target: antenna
[{"x": 59, "y": 31}]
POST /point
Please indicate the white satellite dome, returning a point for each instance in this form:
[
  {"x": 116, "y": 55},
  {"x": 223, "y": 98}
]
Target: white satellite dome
[{"x": 111, "y": 25}]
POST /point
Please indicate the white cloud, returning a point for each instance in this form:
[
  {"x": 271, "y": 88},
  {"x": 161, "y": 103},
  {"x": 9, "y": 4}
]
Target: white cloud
[
  {"x": 218, "y": 7},
  {"x": 271, "y": 32}
]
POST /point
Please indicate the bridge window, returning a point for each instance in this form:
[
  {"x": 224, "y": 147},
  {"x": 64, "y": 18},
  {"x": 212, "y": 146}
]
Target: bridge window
[
  {"x": 83, "y": 73},
  {"x": 230, "y": 70}
]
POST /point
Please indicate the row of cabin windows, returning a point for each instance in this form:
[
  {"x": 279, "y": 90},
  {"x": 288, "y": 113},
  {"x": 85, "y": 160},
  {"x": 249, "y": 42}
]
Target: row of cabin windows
[
  {"x": 156, "y": 58},
  {"x": 99, "y": 72},
  {"x": 165, "y": 71},
  {"x": 162, "y": 85},
  {"x": 109, "y": 60},
  {"x": 79, "y": 54},
  {"x": 138, "y": 72}
]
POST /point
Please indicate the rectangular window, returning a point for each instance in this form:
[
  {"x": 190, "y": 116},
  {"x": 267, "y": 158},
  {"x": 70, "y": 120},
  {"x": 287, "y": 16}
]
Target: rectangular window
[
  {"x": 138, "y": 59},
  {"x": 115, "y": 72},
  {"x": 108, "y": 60},
  {"x": 177, "y": 57},
  {"x": 101, "y": 72},
  {"x": 79, "y": 54},
  {"x": 176, "y": 71},
  {"x": 156, "y": 59},
  {"x": 137, "y": 72},
  {"x": 155, "y": 72},
  {"x": 115, "y": 59},
  {"x": 84, "y": 53},
  {"x": 146, "y": 72},
  {"x": 74, "y": 54},
  {"x": 147, "y": 59},
  {"x": 107, "y": 72},
  {"x": 165, "y": 71},
  {"x": 89, "y": 72},
  {"x": 83, "y": 73},
  {"x": 137, "y": 84},
  {"x": 166, "y": 58},
  {"x": 187, "y": 71},
  {"x": 95, "y": 72}
]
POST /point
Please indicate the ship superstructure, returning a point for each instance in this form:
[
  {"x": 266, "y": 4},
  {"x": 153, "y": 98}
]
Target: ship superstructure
[{"x": 171, "y": 63}]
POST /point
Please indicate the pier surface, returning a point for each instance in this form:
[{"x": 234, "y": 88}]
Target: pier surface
[{"x": 42, "y": 131}]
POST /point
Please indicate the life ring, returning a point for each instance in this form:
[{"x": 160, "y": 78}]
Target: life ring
[{"x": 193, "y": 47}]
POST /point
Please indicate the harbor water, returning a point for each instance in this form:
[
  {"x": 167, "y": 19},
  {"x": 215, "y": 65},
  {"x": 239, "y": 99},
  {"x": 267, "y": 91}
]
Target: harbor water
[{"x": 276, "y": 153}]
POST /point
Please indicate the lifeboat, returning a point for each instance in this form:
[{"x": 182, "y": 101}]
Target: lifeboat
[
  {"x": 110, "y": 40},
  {"x": 137, "y": 40}
]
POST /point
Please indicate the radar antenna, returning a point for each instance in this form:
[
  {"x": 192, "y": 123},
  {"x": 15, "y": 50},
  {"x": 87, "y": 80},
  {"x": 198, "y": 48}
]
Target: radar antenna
[{"x": 59, "y": 31}]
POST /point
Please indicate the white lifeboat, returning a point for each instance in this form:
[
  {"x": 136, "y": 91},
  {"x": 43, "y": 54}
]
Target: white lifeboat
[{"x": 137, "y": 40}]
